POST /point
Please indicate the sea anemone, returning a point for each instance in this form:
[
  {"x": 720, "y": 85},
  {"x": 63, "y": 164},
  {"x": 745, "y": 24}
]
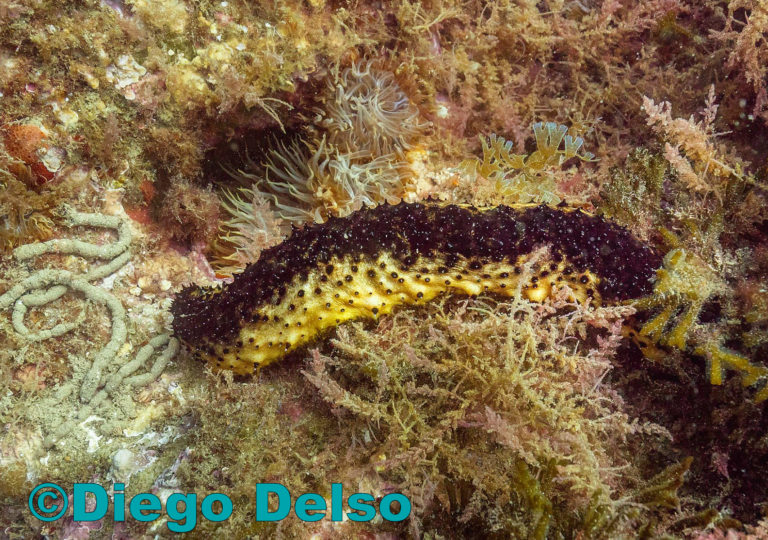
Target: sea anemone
[
  {"x": 17, "y": 228},
  {"x": 366, "y": 112},
  {"x": 368, "y": 121},
  {"x": 301, "y": 184},
  {"x": 252, "y": 226},
  {"x": 24, "y": 215},
  {"x": 310, "y": 184},
  {"x": 353, "y": 157}
]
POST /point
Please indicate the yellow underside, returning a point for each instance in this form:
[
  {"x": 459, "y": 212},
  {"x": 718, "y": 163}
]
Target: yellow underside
[{"x": 368, "y": 290}]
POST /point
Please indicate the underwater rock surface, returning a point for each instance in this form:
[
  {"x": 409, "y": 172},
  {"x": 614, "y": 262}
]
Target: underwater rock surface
[{"x": 173, "y": 172}]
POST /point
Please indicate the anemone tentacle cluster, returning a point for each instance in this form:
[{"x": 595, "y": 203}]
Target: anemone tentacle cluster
[
  {"x": 354, "y": 158},
  {"x": 367, "y": 113}
]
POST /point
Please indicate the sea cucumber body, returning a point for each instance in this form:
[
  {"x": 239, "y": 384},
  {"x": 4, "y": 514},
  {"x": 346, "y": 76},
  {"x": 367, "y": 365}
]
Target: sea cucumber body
[{"x": 366, "y": 264}]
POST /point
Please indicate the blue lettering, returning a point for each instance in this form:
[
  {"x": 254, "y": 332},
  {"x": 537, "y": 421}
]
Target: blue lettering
[
  {"x": 136, "y": 507},
  {"x": 386, "y": 511},
  {"x": 119, "y": 502},
  {"x": 189, "y": 514},
  {"x": 337, "y": 497},
  {"x": 302, "y": 505},
  {"x": 226, "y": 507},
  {"x": 102, "y": 502},
  {"x": 355, "y": 504},
  {"x": 262, "y": 502}
]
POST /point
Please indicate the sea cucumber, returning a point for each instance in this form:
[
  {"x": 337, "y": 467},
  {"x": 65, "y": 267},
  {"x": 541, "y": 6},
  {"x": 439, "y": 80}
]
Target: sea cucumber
[{"x": 366, "y": 264}]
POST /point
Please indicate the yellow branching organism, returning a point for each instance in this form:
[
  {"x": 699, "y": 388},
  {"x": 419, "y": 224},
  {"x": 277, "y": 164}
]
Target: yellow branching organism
[
  {"x": 686, "y": 281},
  {"x": 521, "y": 176}
]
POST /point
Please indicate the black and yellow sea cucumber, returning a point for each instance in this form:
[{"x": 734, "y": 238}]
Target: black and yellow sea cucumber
[{"x": 366, "y": 264}]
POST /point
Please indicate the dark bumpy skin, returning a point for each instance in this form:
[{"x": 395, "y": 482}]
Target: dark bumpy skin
[{"x": 416, "y": 240}]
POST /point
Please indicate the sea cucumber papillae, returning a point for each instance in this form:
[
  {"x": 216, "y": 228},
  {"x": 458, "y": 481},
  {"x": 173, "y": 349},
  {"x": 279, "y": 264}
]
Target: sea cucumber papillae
[{"x": 364, "y": 265}]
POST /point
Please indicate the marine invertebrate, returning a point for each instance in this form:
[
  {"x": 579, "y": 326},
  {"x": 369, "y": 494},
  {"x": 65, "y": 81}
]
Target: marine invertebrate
[
  {"x": 491, "y": 416},
  {"x": 27, "y": 215},
  {"x": 27, "y": 144},
  {"x": 366, "y": 264},
  {"x": 117, "y": 250},
  {"x": 685, "y": 283},
  {"x": 251, "y": 228},
  {"x": 367, "y": 112},
  {"x": 304, "y": 184},
  {"x": 522, "y": 176},
  {"x": 366, "y": 123},
  {"x": 309, "y": 184},
  {"x": 48, "y": 285},
  {"x": 122, "y": 380},
  {"x": 18, "y": 226}
]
